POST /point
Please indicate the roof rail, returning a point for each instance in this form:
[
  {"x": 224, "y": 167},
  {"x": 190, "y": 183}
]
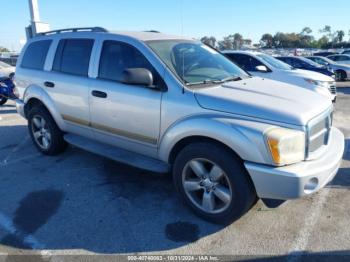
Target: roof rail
[
  {"x": 77, "y": 29},
  {"x": 151, "y": 31}
]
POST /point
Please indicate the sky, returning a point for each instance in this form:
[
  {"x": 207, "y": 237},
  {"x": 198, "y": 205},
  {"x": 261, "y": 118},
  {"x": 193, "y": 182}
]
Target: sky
[{"x": 195, "y": 18}]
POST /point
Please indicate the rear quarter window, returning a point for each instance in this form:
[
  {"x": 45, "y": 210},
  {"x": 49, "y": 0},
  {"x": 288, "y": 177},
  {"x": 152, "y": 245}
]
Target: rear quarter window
[{"x": 35, "y": 55}]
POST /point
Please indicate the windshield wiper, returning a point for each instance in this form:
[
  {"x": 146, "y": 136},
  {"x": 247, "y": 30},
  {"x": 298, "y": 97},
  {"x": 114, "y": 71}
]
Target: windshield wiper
[
  {"x": 215, "y": 81},
  {"x": 204, "y": 82},
  {"x": 231, "y": 79}
]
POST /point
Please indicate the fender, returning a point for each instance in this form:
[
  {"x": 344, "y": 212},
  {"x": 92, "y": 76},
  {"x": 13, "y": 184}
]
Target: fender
[
  {"x": 34, "y": 91},
  {"x": 244, "y": 137}
]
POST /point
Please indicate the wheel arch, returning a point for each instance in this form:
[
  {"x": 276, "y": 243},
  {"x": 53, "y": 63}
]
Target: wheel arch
[
  {"x": 243, "y": 141},
  {"x": 35, "y": 96}
]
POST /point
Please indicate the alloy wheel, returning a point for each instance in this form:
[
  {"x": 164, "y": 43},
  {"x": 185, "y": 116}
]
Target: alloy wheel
[
  {"x": 41, "y": 132},
  {"x": 207, "y": 186}
]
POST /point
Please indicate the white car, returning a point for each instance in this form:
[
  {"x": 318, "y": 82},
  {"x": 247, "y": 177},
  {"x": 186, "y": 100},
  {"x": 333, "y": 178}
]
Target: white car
[
  {"x": 6, "y": 69},
  {"x": 340, "y": 59},
  {"x": 266, "y": 66}
]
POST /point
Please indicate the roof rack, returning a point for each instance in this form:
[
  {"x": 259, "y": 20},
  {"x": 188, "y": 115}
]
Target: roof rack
[
  {"x": 151, "y": 31},
  {"x": 77, "y": 29}
]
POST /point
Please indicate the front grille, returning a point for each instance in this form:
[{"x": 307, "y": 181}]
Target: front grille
[
  {"x": 332, "y": 88},
  {"x": 318, "y": 133}
]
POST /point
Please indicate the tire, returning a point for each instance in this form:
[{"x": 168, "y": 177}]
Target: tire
[
  {"x": 42, "y": 127},
  {"x": 3, "y": 100},
  {"x": 341, "y": 75},
  {"x": 233, "y": 182}
]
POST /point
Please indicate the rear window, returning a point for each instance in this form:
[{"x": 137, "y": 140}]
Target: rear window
[
  {"x": 35, "y": 55},
  {"x": 73, "y": 56}
]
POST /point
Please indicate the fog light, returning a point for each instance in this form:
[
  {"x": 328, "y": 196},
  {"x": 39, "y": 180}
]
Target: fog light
[{"x": 311, "y": 185}]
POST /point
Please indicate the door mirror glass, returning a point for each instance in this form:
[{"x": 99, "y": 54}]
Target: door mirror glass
[
  {"x": 137, "y": 76},
  {"x": 261, "y": 68}
]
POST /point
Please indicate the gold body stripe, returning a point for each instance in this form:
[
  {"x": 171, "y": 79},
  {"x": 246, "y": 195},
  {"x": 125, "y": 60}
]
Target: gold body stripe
[{"x": 111, "y": 130}]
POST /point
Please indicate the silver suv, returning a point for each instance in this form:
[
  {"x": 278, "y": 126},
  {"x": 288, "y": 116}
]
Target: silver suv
[{"x": 169, "y": 104}]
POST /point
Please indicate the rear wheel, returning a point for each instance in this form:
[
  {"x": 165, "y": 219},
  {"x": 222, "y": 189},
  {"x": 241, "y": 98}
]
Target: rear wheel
[
  {"x": 45, "y": 133},
  {"x": 3, "y": 100},
  {"x": 213, "y": 182}
]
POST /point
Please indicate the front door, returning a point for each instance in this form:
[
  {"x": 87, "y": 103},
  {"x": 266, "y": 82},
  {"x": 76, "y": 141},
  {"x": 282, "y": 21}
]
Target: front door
[{"x": 126, "y": 116}]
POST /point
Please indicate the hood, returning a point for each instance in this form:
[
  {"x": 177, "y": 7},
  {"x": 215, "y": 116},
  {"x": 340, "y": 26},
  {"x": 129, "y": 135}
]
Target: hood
[
  {"x": 310, "y": 75},
  {"x": 339, "y": 66},
  {"x": 5, "y": 72},
  {"x": 265, "y": 99}
]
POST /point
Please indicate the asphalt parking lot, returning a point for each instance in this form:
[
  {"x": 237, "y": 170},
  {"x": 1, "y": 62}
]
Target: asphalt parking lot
[{"x": 79, "y": 203}]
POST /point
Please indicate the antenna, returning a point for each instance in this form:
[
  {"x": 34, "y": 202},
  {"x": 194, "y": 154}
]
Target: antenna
[{"x": 183, "y": 54}]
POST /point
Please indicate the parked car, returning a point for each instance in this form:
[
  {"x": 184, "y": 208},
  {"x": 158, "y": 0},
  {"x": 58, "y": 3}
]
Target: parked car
[
  {"x": 306, "y": 64},
  {"x": 346, "y": 52},
  {"x": 6, "y": 90},
  {"x": 325, "y": 53},
  {"x": 266, "y": 66},
  {"x": 6, "y": 70},
  {"x": 340, "y": 59},
  {"x": 168, "y": 104},
  {"x": 342, "y": 72}
]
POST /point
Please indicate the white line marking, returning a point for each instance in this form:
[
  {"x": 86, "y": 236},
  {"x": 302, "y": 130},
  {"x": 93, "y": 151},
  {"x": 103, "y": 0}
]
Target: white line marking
[
  {"x": 4, "y": 162},
  {"x": 311, "y": 219},
  {"x": 19, "y": 159},
  {"x": 7, "y": 225}
]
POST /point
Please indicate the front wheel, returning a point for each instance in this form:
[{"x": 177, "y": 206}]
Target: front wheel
[
  {"x": 3, "y": 100},
  {"x": 341, "y": 75},
  {"x": 213, "y": 182}
]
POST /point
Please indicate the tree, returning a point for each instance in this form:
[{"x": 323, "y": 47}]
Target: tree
[
  {"x": 247, "y": 42},
  {"x": 340, "y": 36},
  {"x": 306, "y": 31},
  {"x": 226, "y": 43},
  {"x": 4, "y": 49},
  {"x": 210, "y": 41},
  {"x": 237, "y": 40},
  {"x": 323, "y": 42},
  {"x": 306, "y": 39},
  {"x": 267, "y": 41},
  {"x": 327, "y": 30}
]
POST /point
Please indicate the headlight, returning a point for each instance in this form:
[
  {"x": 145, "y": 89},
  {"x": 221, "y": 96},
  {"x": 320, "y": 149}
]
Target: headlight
[
  {"x": 286, "y": 146},
  {"x": 317, "y": 83}
]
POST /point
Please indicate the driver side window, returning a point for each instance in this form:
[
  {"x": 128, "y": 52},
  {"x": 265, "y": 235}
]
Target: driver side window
[{"x": 118, "y": 56}]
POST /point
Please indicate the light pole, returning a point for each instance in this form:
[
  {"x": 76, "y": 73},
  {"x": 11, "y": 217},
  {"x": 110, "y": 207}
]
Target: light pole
[{"x": 36, "y": 26}]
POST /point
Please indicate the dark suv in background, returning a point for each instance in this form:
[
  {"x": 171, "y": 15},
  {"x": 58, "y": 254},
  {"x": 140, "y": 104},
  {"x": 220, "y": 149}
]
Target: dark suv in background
[{"x": 306, "y": 64}]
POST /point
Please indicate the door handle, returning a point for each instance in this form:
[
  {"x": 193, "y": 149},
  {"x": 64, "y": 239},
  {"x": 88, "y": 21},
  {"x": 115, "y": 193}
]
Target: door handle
[
  {"x": 49, "y": 84},
  {"x": 99, "y": 94}
]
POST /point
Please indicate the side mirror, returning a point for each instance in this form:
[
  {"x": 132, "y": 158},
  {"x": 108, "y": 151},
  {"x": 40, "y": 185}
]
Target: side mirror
[
  {"x": 137, "y": 76},
  {"x": 262, "y": 68}
]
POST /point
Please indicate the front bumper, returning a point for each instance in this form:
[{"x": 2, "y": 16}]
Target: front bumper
[
  {"x": 20, "y": 107},
  {"x": 301, "y": 179}
]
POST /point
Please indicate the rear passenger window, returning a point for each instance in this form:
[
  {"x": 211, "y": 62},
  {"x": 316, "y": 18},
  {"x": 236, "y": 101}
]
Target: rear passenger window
[
  {"x": 73, "y": 56},
  {"x": 118, "y": 56},
  {"x": 35, "y": 55}
]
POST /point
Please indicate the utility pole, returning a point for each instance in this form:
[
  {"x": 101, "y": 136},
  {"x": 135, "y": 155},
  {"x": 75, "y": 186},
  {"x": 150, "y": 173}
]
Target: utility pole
[{"x": 36, "y": 26}]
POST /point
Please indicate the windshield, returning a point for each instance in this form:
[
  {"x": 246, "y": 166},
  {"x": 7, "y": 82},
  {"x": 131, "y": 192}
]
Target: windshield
[
  {"x": 309, "y": 61},
  {"x": 327, "y": 60},
  {"x": 274, "y": 62},
  {"x": 4, "y": 65},
  {"x": 195, "y": 63}
]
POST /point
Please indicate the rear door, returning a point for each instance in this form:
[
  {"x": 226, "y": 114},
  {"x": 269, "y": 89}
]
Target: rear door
[
  {"x": 68, "y": 83},
  {"x": 31, "y": 65}
]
